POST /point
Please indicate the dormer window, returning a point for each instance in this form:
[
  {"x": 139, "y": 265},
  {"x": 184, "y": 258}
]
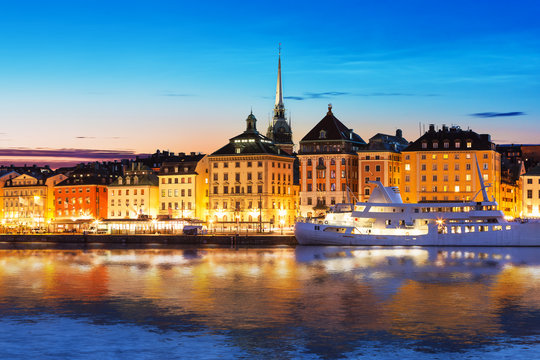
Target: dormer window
[
  {"x": 458, "y": 144},
  {"x": 322, "y": 134},
  {"x": 128, "y": 181},
  {"x": 469, "y": 144},
  {"x": 424, "y": 145},
  {"x": 446, "y": 144},
  {"x": 435, "y": 145},
  {"x": 136, "y": 180},
  {"x": 119, "y": 181}
]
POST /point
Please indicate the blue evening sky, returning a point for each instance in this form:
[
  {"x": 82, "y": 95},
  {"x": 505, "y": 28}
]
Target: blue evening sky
[{"x": 142, "y": 75}]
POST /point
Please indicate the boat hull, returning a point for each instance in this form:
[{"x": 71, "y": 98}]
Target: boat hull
[{"x": 527, "y": 234}]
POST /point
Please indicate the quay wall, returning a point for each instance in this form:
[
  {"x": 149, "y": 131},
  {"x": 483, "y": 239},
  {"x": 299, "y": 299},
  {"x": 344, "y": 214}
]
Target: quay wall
[{"x": 225, "y": 240}]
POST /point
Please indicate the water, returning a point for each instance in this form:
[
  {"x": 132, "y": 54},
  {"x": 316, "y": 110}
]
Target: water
[{"x": 308, "y": 302}]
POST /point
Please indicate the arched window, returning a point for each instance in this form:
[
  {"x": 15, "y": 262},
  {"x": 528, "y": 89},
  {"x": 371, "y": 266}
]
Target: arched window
[
  {"x": 322, "y": 134},
  {"x": 343, "y": 161},
  {"x": 321, "y": 161},
  {"x": 332, "y": 162},
  {"x": 366, "y": 191}
]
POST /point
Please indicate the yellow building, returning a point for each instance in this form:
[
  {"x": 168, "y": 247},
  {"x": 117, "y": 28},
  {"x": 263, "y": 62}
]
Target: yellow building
[
  {"x": 531, "y": 193},
  {"x": 134, "y": 195},
  {"x": 251, "y": 183},
  {"x": 29, "y": 200},
  {"x": 441, "y": 166},
  {"x": 183, "y": 187}
]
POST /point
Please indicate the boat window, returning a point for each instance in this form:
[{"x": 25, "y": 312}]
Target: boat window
[
  {"x": 497, "y": 227},
  {"x": 416, "y": 210}
]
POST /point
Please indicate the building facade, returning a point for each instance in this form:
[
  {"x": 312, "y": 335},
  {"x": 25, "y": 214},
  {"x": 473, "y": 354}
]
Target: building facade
[
  {"x": 29, "y": 199},
  {"x": 183, "y": 187},
  {"x": 82, "y": 196},
  {"x": 380, "y": 161},
  {"x": 441, "y": 166},
  {"x": 134, "y": 195},
  {"x": 251, "y": 183},
  {"x": 531, "y": 193},
  {"x": 328, "y": 165}
]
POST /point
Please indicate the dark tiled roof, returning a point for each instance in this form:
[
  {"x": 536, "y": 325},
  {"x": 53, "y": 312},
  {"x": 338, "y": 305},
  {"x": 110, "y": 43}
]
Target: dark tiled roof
[
  {"x": 87, "y": 179},
  {"x": 535, "y": 171},
  {"x": 146, "y": 179},
  {"x": 250, "y": 142},
  {"x": 479, "y": 142},
  {"x": 334, "y": 130}
]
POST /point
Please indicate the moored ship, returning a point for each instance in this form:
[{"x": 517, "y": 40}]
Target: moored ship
[{"x": 385, "y": 220}]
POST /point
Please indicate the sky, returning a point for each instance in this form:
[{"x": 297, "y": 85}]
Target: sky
[{"x": 92, "y": 79}]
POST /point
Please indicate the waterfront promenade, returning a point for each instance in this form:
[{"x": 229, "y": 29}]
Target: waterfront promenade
[{"x": 221, "y": 240}]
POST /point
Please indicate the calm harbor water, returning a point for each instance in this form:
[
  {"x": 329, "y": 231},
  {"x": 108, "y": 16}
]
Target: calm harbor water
[{"x": 308, "y": 302}]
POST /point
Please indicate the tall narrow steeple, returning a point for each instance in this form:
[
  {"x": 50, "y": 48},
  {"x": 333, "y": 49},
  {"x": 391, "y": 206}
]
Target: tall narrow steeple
[{"x": 279, "y": 108}]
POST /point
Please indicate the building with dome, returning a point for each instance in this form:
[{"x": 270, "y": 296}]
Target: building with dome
[{"x": 251, "y": 184}]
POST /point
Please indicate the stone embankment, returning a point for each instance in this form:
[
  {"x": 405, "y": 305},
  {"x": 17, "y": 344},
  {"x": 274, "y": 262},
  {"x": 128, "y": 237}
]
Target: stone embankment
[{"x": 222, "y": 240}]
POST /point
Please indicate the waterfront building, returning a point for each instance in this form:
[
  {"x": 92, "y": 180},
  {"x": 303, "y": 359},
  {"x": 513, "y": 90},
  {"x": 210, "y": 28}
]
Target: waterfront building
[
  {"x": 441, "y": 166},
  {"x": 531, "y": 193},
  {"x": 251, "y": 183},
  {"x": 29, "y": 199},
  {"x": 5, "y": 175},
  {"x": 380, "y": 161},
  {"x": 183, "y": 187},
  {"x": 328, "y": 165},
  {"x": 511, "y": 187},
  {"x": 279, "y": 130},
  {"x": 135, "y": 194},
  {"x": 83, "y": 196}
]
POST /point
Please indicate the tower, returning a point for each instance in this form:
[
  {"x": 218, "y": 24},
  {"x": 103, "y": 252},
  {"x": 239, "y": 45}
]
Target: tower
[{"x": 280, "y": 130}]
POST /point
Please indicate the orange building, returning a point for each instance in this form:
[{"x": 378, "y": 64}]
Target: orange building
[
  {"x": 82, "y": 197},
  {"x": 380, "y": 161},
  {"x": 328, "y": 165},
  {"x": 441, "y": 166}
]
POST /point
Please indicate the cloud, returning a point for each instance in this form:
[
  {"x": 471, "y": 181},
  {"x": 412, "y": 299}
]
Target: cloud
[
  {"x": 317, "y": 95},
  {"x": 497, "y": 114},
  {"x": 94, "y": 154},
  {"x": 173, "y": 94},
  {"x": 329, "y": 94},
  {"x": 85, "y": 137}
]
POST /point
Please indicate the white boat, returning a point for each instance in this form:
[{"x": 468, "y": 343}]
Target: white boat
[{"x": 386, "y": 221}]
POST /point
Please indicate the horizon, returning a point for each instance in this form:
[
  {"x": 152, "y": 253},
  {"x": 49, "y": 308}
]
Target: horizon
[{"x": 131, "y": 77}]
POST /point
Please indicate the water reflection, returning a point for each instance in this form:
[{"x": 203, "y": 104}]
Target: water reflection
[{"x": 281, "y": 302}]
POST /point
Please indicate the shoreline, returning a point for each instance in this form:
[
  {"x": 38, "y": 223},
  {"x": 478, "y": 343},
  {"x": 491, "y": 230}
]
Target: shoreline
[{"x": 200, "y": 240}]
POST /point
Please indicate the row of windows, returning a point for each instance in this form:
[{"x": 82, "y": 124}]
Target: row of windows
[
  {"x": 322, "y": 201},
  {"x": 170, "y": 180},
  {"x": 468, "y": 177},
  {"x": 73, "y": 200},
  {"x": 445, "y": 156},
  {"x": 74, "y": 190},
  {"x": 332, "y": 162},
  {"x": 249, "y": 190},
  {"x": 141, "y": 201},
  {"x": 177, "y": 206},
  {"x": 175, "y": 192},
  {"x": 250, "y": 164},
  {"x": 530, "y": 181},
  {"x": 321, "y": 174},
  {"x": 446, "y": 144},
  {"x": 444, "y": 188},
  {"x": 126, "y": 192},
  {"x": 423, "y": 178},
  {"x": 249, "y": 176},
  {"x": 236, "y": 206},
  {"x": 24, "y": 192}
]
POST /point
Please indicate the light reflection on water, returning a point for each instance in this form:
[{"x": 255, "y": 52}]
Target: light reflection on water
[{"x": 312, "y": 302}]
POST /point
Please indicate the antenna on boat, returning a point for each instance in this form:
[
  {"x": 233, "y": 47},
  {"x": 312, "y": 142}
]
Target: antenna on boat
[{"x": 482, "y": 185}]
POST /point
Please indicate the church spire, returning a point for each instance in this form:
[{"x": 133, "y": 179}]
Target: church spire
[{"x": 279, "y": 108}]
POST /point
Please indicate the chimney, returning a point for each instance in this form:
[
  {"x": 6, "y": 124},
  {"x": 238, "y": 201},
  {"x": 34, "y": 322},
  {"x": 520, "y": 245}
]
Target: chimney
[
  {"x": 399, "y": 133},
  {"x": 444, "y": 128},
  {"x": 431, "y": 127}
]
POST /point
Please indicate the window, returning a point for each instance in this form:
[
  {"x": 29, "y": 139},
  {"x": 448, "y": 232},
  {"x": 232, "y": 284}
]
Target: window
[
  {"x": 407, "y": 166},
  {"x": 366, "y": 191},
  {"x": 458, "y": 144},
  {"x": 259, "y": 189},
  {"x": 378, "y": 168},
  {"x": 237, "y": 164},
  {"x": 237, "y": 176},
  {"x": 309, "y": 187},
  {"x": 309, "y": 162},
  {"x": 366, "y": 168},
  {"x": 529, "y": 194},
  {"x": 435, "y": 144},
  {"x": 424, "y": 145},
  {"x": 469, "y": 144},
  {"x": 309, "y": 174},
  {"x": 446, "y": 144},
  {"x": 434, "y": 167},
  {"x": 423, "y": 167},
  {"x": 225, "y": 189},
  {"x": 259, "y": 164},
  {"x": 249, "y": 176},
  {"x": 529, "y": 181},
  {"x": 215, "y": 189},
  {"x": 309, "y": 201},
  {"x": 225, "y": 176},
  {"x": 259, "y": 176},
  {"x": 456, "y": 167},
  {"x": 343, "y": 173},
  {"x": 343, "y": 161}
]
